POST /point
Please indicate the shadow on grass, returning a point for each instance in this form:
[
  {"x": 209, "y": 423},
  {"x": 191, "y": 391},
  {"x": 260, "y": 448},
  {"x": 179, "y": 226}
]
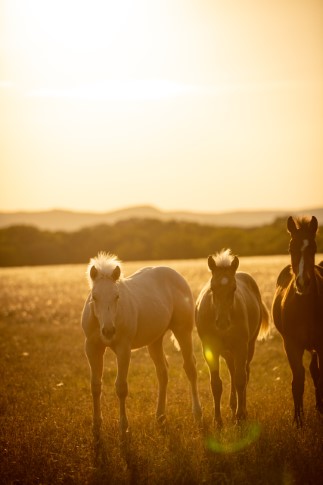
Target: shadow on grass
[
  {"x": 108, "y": 466},
  {"x": 180, "y": 452},
  {"x": 117, "y": 461}
]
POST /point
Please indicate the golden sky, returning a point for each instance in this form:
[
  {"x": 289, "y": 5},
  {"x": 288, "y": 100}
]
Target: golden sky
[{"x": 200, "y": 105}]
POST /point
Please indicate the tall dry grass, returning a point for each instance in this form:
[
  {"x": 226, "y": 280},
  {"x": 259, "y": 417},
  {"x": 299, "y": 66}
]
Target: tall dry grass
[{"x": 45, "y": 401}]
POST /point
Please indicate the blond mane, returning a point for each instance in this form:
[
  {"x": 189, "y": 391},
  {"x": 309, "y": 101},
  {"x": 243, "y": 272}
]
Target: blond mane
[
  {"x": 224, "y": 258},
  {"x": 105, "y": 263}
]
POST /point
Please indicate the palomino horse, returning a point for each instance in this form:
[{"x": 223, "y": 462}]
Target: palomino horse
[
  {"x": 129, "y": 313},
  {"x": 298, "y": 310},
  {"x": 230, "y": 315}
]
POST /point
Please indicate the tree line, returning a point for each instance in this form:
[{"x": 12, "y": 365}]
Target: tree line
[{"x": 139, "y": 239}]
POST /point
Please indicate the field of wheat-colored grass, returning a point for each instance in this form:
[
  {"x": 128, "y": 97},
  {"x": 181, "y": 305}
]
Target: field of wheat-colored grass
[{"x": 46, "y": 408}]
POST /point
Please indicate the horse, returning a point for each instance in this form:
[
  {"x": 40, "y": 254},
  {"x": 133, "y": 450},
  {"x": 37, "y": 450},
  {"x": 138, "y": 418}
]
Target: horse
[
  {"x": 230, "y": 316},
  {"x": 298, "y": 310},
  {"x": 127, "y": 313}
]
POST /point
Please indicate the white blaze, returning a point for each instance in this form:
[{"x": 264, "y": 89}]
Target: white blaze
[{"x": 301, "y": 263}]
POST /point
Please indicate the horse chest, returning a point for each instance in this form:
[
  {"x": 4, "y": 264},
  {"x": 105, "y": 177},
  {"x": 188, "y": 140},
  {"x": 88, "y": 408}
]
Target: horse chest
[{"x": 221, "y": 342}]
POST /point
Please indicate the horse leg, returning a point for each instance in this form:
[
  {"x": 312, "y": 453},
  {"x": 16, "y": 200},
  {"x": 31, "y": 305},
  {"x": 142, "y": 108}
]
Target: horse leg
[
  {"x": 316, "y": 373},
  {"x": 186, "y": 345},
  {"x": 295, "y": 359},
  {"x": 156, "y": 352},
  {"x": 94, "y": 353},
  {"x": 241, "y": 360},
  {"x": 216, "y": 386},
  {"x": 251, "y": 351},
  {"x": 123, "y": 360},
  {"x": 233, "y": 391}
]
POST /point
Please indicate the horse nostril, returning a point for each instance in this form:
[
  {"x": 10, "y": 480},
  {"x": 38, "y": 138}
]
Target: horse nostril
[{"x": 108, "y": 332}]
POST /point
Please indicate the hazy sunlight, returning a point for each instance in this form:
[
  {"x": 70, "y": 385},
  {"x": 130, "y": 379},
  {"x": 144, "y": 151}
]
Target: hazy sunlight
[{"x": 165, "y": 97}]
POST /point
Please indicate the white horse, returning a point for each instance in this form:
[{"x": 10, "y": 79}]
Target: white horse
[{"x": 128, "y": 313}]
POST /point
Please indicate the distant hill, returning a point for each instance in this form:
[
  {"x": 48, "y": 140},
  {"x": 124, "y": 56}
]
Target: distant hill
[{"x": 56, "y": 220}]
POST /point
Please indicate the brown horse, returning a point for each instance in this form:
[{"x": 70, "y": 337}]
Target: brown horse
[
  {"x": 230, "y": 315},
  {"x": 298, "y": 310}
]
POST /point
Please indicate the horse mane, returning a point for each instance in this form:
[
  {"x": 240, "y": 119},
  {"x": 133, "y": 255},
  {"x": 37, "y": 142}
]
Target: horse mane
[
  {"x": 224, "y": 258},
  {"x": 105, "y": 263},
  {"x": 302, "y": 222}
]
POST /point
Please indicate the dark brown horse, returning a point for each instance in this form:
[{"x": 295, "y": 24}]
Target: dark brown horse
[
  {"x": 298, "y": 310},
  {"x": 230, "y": 315}
]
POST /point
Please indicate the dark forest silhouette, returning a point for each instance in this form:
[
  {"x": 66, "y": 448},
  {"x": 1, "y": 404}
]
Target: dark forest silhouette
[{"x": 139, "y": 239}]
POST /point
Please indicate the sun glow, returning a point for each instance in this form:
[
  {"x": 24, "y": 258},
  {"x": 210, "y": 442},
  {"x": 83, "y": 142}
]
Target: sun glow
[
  {"x": 86, "y": 50},
  {"x": 151, "y": 93},
  {"x": 118, "y": 90}
]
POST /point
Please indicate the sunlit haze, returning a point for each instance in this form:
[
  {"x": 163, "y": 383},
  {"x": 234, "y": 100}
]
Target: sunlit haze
[{"x": 200, "y": 105}]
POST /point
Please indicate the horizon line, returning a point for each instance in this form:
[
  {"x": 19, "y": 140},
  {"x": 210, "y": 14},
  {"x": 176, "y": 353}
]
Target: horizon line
[{"x": 158, "y": 209}]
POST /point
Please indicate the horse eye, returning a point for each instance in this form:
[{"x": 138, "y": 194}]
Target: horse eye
[
  {"x": 93, "y": 298},
  {"x": 117, "y": 297}
]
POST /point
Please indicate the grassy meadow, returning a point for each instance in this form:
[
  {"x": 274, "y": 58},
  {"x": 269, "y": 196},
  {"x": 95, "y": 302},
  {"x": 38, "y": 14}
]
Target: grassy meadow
[{"x": 46, "y": 406}]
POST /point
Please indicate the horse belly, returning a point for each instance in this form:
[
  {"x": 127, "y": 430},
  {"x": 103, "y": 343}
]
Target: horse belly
[
  {"x": 152, "y": 323},
  {"x": 298, "y": 325},
  {"x": 247, "y": 317}
]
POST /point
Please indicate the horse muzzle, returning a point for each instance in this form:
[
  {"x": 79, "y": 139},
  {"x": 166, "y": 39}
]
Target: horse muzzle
[{"x": 108, "y": 333}]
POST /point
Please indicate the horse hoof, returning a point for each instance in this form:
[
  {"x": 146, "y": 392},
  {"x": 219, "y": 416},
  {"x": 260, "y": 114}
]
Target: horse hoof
[
  {"x": 161, "y": 420},
  {"x": 241, "y": 419},
  {"x": 198, "y": 415},
  {"x": 218, "y": 424},
  {"x": 124, "y": 436},
  {"x": 96, "y": 431},
  {"x": 298, "y": 422}
]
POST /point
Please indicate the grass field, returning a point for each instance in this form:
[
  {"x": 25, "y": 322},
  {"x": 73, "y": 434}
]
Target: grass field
[{"x": 46, "y": 408}]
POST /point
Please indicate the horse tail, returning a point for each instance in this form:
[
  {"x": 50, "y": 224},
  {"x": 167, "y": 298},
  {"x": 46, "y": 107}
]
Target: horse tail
[{"x": 265, "y": 322}]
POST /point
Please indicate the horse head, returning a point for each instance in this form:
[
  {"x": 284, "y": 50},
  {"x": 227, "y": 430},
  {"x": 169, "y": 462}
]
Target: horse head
[
  {"x": 302, "y": 248},
  {"x": 223, "y": 286},
  {"x": 104, "y": 276}
]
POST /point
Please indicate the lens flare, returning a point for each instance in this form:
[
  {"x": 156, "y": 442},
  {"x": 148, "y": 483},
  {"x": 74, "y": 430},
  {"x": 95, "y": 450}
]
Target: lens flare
[
  {"x": 209, "y": 356},
  {"x": 246, "y": 436}
]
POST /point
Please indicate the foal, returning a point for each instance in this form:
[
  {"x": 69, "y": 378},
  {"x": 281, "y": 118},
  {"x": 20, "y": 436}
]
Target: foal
[
  {"x": 128, "y": 313},
  {"x": 230, "y": 315}
]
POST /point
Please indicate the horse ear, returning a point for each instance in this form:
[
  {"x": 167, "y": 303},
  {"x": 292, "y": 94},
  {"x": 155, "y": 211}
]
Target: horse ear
[
  {"x": 291, "y": 226},
  {"x": 313, "y": 225},
  {"x": 235, "y": 263},
  {"x": 116, "y": 273},
  {"x": 211, "y": 263},
  {"x": 93, "y": 272}
]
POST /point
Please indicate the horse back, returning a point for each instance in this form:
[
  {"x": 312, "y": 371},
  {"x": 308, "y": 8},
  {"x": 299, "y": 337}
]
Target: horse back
[
  {"x": 157, "y": 299},
  {"x": 158, "y": 283},
  {"x": 247, "y": 285},
  {"x": 250, "y": 303}
]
